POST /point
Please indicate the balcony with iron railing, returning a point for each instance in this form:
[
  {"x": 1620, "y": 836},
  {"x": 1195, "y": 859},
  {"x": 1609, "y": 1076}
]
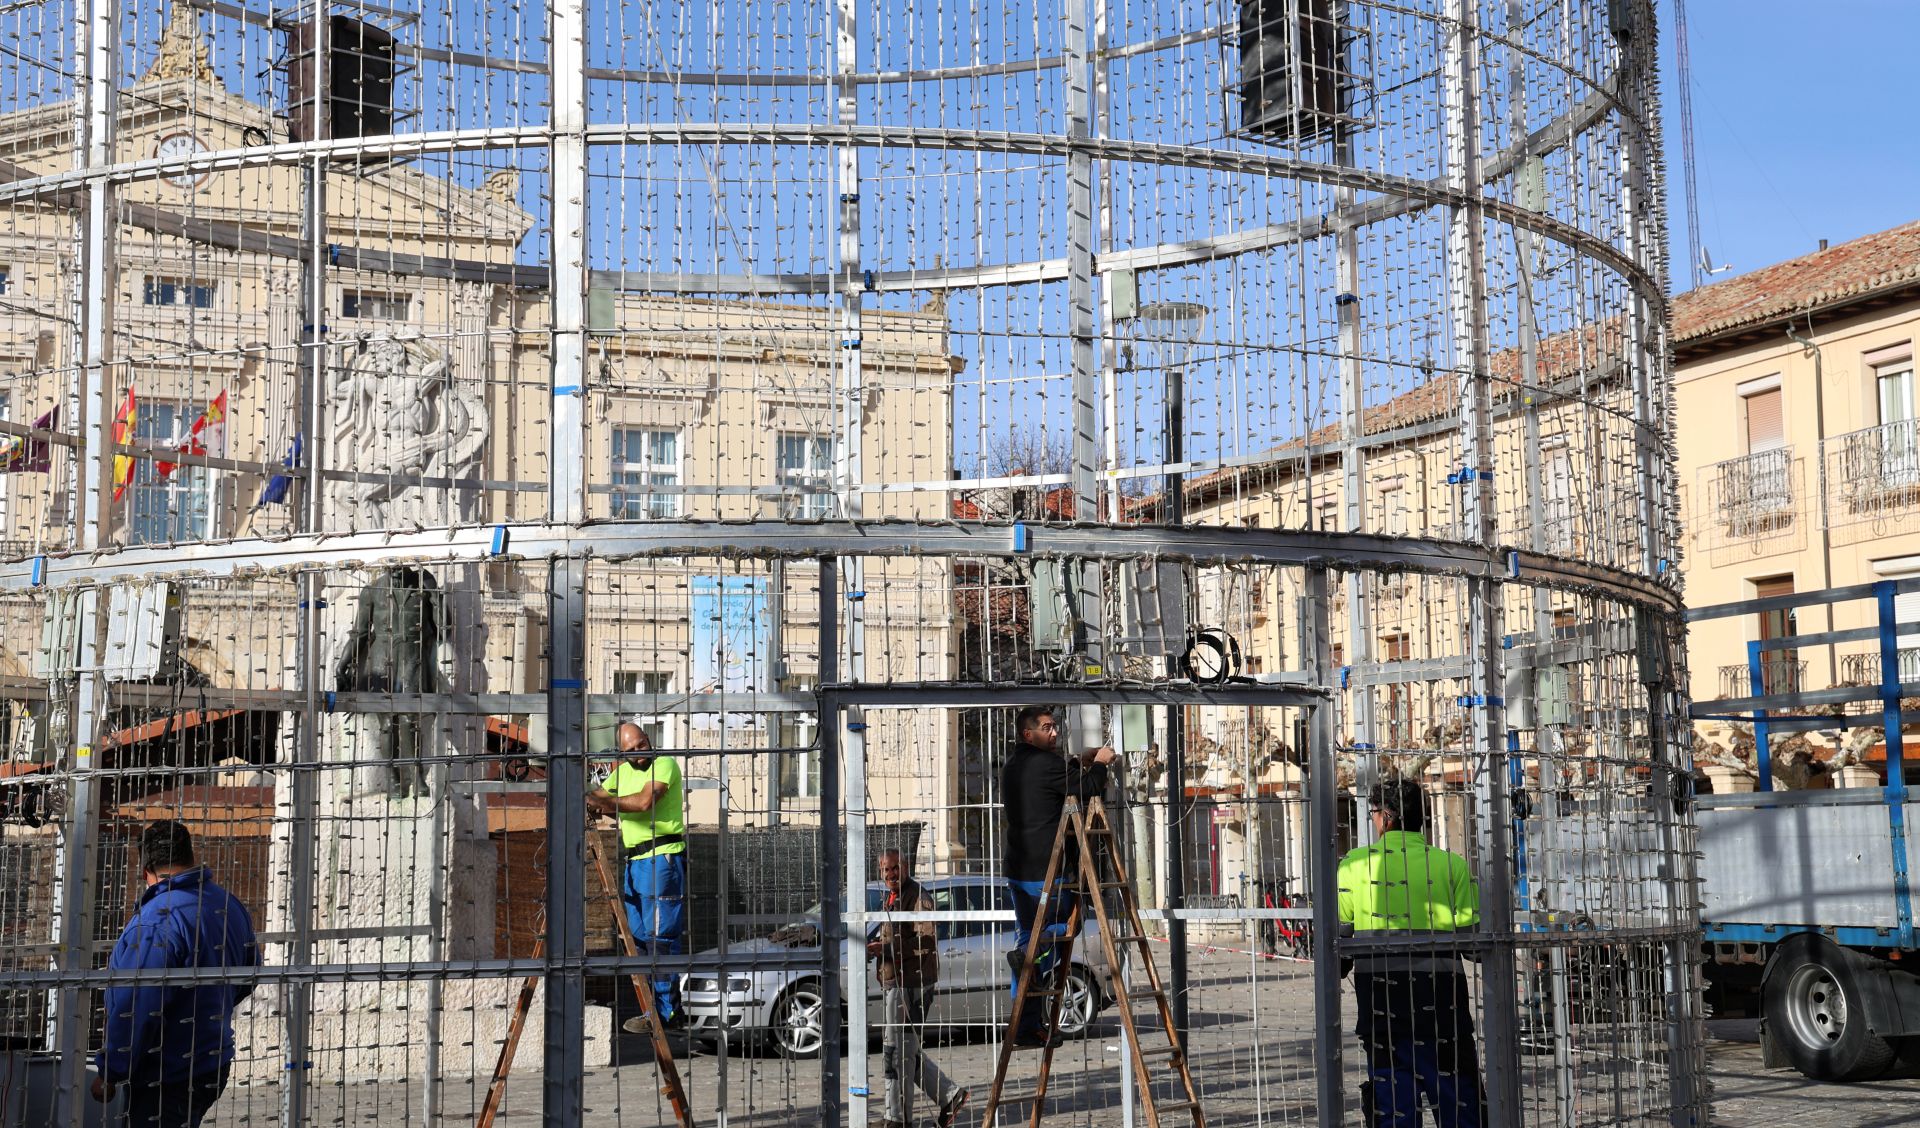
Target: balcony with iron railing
[
  {"x": 1864, "y": 669},
  {"x": 1753, "y": 495},
  {"x": 1873, "y": 478},
  {"x": 1777, "y": 675},
  {"x": 1750, "y": 506}
]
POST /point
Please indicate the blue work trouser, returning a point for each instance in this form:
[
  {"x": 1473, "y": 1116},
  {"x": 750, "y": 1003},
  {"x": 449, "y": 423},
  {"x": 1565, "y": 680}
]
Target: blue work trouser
[
  {"x": 1026, "y": 907},
  {"x": 655, "y": 892},
  {"x": 1417, "y": 1029}
]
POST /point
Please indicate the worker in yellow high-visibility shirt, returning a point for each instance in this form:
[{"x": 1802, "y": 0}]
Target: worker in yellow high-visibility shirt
[
  {"x": 1416, "y": 1021},
  {"x": 646, "y": 792}
]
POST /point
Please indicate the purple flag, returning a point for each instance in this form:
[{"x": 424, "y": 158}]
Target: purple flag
[{"x": 19, "y": 452}]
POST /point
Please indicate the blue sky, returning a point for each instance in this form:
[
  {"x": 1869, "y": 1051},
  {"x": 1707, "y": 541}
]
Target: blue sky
[{"x": 1805, "y": 125}]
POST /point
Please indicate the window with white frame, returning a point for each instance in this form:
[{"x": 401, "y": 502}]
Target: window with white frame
[
  {"x": 803, "y": 465},
  {"x": 163, "y": 291},
  {"x": 376, "y": 305},
  {"x": 643, "y": 461},
  {"x": 161, "y": 511},
  {"x": 647, "y": 681},
  {"x": 1899, "y": 443},
  {"x": 799, "y": 743}
]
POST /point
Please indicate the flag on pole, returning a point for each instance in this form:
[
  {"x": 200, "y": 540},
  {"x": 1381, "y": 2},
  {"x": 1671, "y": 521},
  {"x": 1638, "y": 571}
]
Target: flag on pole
[
  {"x": 19, "y": 452},
  {"x": 277, "y": 486},
  {"x": 209, "y": 435},
  {"x": 123, "y": 424}
]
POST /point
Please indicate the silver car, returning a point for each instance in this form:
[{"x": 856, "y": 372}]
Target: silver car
[{"x": 784, "y": 1003}]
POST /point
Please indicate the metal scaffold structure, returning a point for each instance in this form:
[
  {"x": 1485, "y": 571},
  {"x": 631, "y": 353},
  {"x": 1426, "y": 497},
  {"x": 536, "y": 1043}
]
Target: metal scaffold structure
[{"x": 397, "y": 399}]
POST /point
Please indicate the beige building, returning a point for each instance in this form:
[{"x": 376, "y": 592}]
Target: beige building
[
  {"x": 1800, "y": 457},
  {"x": 1798, "y": 468},
  {"x": 695, "y": 408}
]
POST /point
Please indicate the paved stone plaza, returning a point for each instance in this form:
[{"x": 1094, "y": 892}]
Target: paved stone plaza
[{"x": 1252, "y": 1059}]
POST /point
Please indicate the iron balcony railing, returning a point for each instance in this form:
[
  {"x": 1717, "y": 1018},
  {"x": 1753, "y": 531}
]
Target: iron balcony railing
[
  {"x": 1753, "y": 495},
  {"x": 1875, "y": 468},
  {"x": 1864, "y": 669},
  {"x": 1778, "y": 675}
]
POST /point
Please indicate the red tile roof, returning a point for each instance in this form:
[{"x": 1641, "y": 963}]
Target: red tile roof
[
  {"x": 1885, "y": 260},
  {"x": 1872, "y": 264}
]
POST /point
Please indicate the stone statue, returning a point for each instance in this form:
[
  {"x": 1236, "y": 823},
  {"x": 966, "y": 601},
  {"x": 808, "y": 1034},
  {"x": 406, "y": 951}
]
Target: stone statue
[
  {"x": 395, "y": 410},
  {"x": 394, "y": 648}
]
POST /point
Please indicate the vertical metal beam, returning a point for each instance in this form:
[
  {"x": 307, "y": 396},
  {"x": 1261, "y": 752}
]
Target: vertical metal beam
[
  {"x": 1889, "y": 620},
  {"x": 1134, "y": 829},
  {"x": 565, "y": 1005},
  {"x": 1323, "y": 814},
  {"x": 79, "y": 864},
  {"x": 1353, "y": 457},
  {"x": 1080, "y": 323},
  {"x": 78, "y": 857},
  {"x": 432, "y": 1086},
  {"x": 849, "y": 471},
  {"x": 566, "y": 593},
  {"x": 1467, "y": 302},
  {"x": 833, "y": 891},
  {"x": 1682, "y": 956},
  {"x": 567, "y": 448},
  {"x": 304, "y": 784},
  {"x": 1762, "y": 732}
]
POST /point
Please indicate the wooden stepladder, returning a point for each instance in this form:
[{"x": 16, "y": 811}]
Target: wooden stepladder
[
  {"x": 1096, "y": 879},
  {"x": 670, "y": 1086}
]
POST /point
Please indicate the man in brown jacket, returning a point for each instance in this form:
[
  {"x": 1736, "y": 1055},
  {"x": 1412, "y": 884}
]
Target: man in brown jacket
[{"x": 908, "y": 953}]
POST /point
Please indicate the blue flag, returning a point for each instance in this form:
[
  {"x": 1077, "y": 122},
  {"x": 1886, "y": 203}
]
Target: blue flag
[{"x": 277, "y": 486}]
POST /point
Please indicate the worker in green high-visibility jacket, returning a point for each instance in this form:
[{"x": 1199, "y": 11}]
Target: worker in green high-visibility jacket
[{"x": 1416, "y": 1021}]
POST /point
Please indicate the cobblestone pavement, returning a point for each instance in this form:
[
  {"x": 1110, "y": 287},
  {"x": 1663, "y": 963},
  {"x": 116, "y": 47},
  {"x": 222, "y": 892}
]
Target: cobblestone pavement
[{"x": 1748, "y": 1095}]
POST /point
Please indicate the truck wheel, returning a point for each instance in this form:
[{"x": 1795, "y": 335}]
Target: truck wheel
[{"x": 1815, "y": 1012}]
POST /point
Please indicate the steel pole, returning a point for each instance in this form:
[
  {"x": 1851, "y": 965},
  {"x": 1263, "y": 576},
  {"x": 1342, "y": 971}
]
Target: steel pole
[
  {"x": 1467, "y": 306},
  {"x": 1174, "y": 444},
  {"x": 1324, "y": 836},
  {"x": 833, "y": 891}
]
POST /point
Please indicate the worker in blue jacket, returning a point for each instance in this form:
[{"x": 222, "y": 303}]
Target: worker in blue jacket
[{"x": 171, "y": 1044}]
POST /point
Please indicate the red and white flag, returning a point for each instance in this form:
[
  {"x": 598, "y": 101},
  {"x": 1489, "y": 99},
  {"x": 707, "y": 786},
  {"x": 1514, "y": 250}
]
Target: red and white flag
[{"x": 208, "y": 437}]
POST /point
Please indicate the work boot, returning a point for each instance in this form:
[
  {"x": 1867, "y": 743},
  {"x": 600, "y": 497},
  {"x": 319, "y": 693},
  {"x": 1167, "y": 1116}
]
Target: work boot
[{"x": 950, "y": 1111}]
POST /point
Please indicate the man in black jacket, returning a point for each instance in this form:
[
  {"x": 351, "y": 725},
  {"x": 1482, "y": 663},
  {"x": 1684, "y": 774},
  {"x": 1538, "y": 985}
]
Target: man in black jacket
[{"x": 1035, "y": 784}]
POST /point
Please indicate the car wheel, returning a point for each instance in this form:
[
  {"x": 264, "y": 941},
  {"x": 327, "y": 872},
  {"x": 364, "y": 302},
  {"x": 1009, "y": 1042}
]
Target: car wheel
[
  {"x": 1814, "y": 1011},
  {"x": 1079, "y": 1003},
  {"x": 796, "y": 1028}
]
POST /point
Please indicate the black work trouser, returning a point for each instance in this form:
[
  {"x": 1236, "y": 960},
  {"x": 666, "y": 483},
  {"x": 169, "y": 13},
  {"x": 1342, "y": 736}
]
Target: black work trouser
[
  {"x": 153, "y": 1103},
  {"x": 1417, "y": 1030}
]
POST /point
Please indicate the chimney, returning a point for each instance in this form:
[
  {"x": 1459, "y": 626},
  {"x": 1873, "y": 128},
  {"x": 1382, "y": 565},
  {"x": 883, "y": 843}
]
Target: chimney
[{"x": 1823, "y": 244}]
